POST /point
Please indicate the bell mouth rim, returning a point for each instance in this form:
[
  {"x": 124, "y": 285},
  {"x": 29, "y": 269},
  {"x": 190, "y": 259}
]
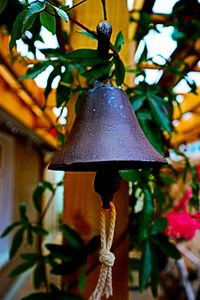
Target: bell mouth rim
[{"x": 107, "y": 165}]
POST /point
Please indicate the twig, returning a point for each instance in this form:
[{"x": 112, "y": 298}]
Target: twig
[
  {"x": 82, "y": 26},
  {"x": 191, "y": 256},
  {"x": 75, "y": 5},
  {"x": 40, "y": 241},
  {"x": 43, "y": 214},
  {"x": 87, "y": 29},
  {"x": 184, "y": 277}
]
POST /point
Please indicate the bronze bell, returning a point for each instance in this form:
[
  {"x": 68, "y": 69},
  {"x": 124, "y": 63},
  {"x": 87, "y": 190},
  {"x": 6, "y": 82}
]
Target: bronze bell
[{"x": 106, "y": 135}]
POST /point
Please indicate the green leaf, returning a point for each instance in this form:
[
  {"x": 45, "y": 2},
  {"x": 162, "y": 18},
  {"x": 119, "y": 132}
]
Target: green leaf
[
  {"x": 144, "y": 116},
  {"x": 48, "y": 21},
  {"x": 22, "y": 211},
  {"x": 158, "y": 110},
  {"x": 39, "y": 275},
  {"x": 130, "y": 175},
  {"x": 152, "y": 133},
  {"x": 194, "y": 201},
  {"x": 24, "y": 21},
  {"x": 29, "y": 237},
  {"x": 21, "y": 268},
  {"x": 55, "y": 53},
  {"x": 60, "y": 252},
  {"x": 38, "y": 193},
  {"x": 167, "y": 179},
  {"x": 8, "y": 229},
  {"x": 82, "y": 279},
  {"x": 39, "y": 230},
  {"x": 73, "y": 237},
  {"x": 33, "y": 257},
  {"x": 16, "y": 242},
  {"x": 158, "y": 226},
  {"x": 79, "y": 100},
  {"x": 119, "y": 71},
  {"x": 93, "y": 244},
  {"x": 60, "y": 183},
  {"x": 89, "y": 35},
  {"x": 32, "y": 9},
  {"x": 146, "y": 215},
  {"x": 145, "y": 265},
  {"x": 119, "y": 41},
  {"x": 66, "y": 268},
  {"x": 134, "y": 263},
  {"x": 63, "y": 92},
  {"x": 29, "y": 23},
  {"x": 137, "y": 104},
  {"x": 143, "y": 56},
  {"x": 86, "y": 57},
  {"x": 61, "y": 139},
  {"x": 61, "y": 13},
  {"x": 3, "y": 4},
  {"x": 36, "y": 70},
  {"x": 144, "y": 25},
  {"x": 154, "y": 274},
  {"x": 56, "y": 292},
  {"x": 56, "y": 71},
  {"x": 66, "y": 253},
  {"x": 137, "y": 101},
  {"x": 99, "y": 70},
  {"x": 38, "y": 296},
  {"x": 166, "y": 247},
  {"x": 17, "y": 29},
  {"x": 192, "y": 84},
  {"x": 178, "y": 35}
]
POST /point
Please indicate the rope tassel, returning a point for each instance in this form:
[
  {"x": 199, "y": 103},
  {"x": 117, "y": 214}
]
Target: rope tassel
[{"x": 106, "y": 257}]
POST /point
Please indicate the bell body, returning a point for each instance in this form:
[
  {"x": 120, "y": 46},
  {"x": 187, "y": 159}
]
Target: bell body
[{"x": 106, "y": 135}]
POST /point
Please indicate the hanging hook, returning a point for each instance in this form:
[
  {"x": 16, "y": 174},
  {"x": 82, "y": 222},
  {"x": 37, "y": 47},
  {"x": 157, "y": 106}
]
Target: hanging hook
[{"x": 103, "y": 2}]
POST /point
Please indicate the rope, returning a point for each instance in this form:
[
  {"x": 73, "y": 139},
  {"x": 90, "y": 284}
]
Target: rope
[{"x": 106, "y": 257}]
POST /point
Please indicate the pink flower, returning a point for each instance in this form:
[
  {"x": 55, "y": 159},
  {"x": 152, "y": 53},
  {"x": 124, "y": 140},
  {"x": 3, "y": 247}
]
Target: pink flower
[
  {"x": 182, "y": 224},
  {"x": 198, "y": 172},
  {"x": 53, "y": 132},
  {"x": 183, "y": 202}
]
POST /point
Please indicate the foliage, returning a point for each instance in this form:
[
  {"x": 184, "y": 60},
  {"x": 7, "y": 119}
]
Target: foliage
[
  {"x": 149, "y": 199},
  {"x": 59, "y": 259}
]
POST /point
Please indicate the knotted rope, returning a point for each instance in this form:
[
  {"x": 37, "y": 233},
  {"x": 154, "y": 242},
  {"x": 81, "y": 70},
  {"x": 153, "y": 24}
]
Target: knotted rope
[{"x": 106, "y": 257}]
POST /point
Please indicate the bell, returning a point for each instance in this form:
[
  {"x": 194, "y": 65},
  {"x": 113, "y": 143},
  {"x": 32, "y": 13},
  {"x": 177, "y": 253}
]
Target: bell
[{"x": 106, "y": 135}]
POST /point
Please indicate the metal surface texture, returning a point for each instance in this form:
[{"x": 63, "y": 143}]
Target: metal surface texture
[{"x": 106, "y": 135}]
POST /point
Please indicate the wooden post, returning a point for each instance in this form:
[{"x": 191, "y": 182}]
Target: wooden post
[{"x": 82, "y": 211}]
